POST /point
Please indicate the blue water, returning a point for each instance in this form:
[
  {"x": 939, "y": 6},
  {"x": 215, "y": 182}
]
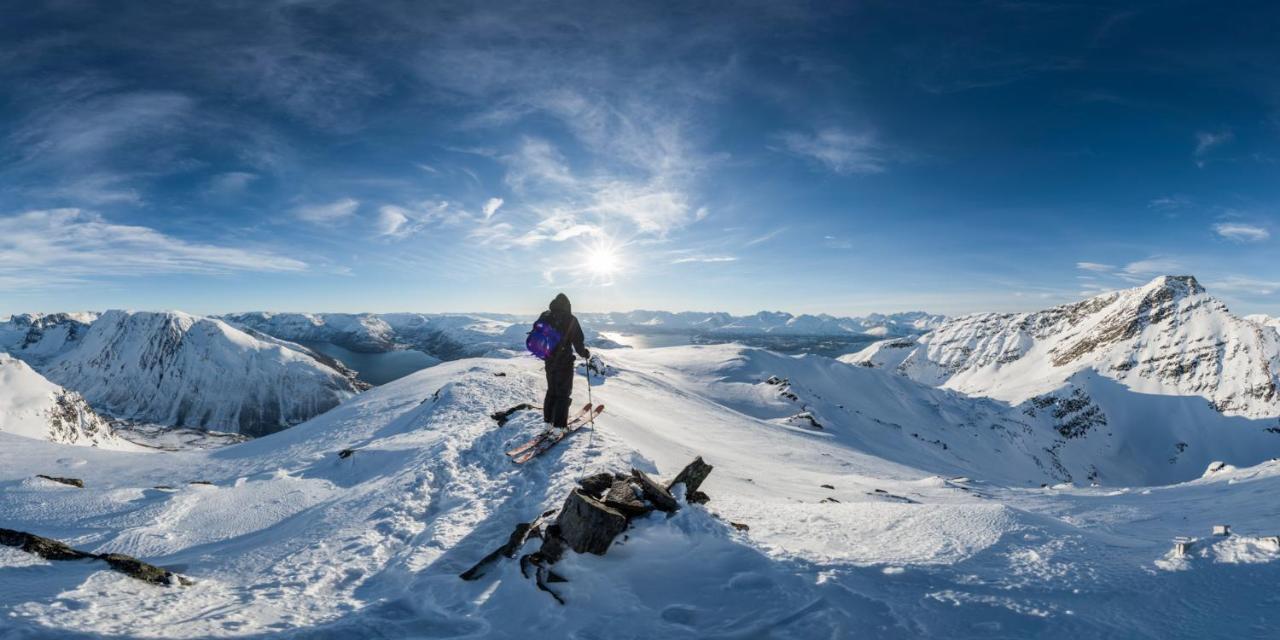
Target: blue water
[{"x": 377, "y": 368}]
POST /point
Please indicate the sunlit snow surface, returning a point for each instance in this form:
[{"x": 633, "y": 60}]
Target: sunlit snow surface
[{"x": 921, "y": 541}]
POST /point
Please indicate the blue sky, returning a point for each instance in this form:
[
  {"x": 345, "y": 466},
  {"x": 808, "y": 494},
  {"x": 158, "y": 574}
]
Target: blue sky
[{"x": 810, "y": 157}]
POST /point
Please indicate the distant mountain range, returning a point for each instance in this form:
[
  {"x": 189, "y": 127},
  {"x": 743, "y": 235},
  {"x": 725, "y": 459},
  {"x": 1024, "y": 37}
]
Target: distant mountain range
[{"x": 1168, "y": 337}]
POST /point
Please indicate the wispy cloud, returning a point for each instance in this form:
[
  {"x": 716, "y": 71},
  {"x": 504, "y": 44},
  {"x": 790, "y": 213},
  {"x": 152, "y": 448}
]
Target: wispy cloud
[
  {"x": 491, "y": 207},
  {"x": 1097, "y": 267},
  {"x": 1206, "y": 141},
  {"x": 1154, "y": 266},
  {"x": 399, "y": 221},
  {"x": 1244, "y": 285},
  {"x": 704, "y": 259},
  {"x": 765, "y": 238},
  {"x": 328, "y": 213},
  {"x": 69, "y": 245},
  {"x": 1169, "y": 202},
  {"x": 835, "y": 242},
  {"x": 231, "y": 182},
  {"x": 838, "y": 150},
  {"x": 1241, "y": 232}
]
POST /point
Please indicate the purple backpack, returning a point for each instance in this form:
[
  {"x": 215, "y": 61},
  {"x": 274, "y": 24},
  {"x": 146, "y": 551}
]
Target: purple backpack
[{"x": 543, "y": 339}]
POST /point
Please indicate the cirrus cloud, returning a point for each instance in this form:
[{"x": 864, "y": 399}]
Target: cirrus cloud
[
  {"x": 61, "y": 246},
  {"x": 1241, "y": 232}
]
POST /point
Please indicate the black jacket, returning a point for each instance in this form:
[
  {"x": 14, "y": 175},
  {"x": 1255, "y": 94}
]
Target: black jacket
[{"x": 560, "y": 315}]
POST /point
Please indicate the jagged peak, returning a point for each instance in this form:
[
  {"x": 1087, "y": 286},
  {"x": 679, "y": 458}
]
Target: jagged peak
[{"x": 1180, "y": 285}]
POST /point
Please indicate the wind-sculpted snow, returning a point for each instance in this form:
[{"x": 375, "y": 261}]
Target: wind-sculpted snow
[
  {"x": 1168, "y": 337},
  {"x": 861, "y": 528},
  {"x": 33, "y": 407},
  {"x": 181, "y": 370}
]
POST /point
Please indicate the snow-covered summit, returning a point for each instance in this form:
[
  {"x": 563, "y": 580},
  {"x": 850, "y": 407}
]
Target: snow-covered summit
[
  {"x": 1167, "y": 337},
  {"x": 33, "y": 407},
  {"x": 183, "y": 370}
]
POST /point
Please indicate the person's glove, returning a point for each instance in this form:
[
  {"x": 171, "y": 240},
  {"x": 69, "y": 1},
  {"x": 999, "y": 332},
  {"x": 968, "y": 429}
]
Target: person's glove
[{"x": 586, "y": 353}]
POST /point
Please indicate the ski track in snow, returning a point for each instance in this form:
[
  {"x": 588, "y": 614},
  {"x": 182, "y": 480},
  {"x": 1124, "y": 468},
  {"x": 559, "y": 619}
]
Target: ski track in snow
[{"x": 290, "y": 540}]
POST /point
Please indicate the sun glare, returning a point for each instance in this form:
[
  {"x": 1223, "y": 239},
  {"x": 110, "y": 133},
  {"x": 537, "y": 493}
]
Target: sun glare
[{"x": 602, "y": 262}]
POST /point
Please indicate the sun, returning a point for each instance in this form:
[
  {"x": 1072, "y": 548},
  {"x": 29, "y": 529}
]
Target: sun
[{"x": 602, "y": 261}]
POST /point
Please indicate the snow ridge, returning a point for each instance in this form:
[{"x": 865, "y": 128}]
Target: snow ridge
[
  {"x": 33, "y": 407},
  {"x": 1168, "y": 337},
  {"x": 182, "y": 370}
]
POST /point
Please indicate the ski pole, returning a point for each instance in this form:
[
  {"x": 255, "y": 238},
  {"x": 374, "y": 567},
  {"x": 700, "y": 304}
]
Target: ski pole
[{"x": 592, "y": 416}]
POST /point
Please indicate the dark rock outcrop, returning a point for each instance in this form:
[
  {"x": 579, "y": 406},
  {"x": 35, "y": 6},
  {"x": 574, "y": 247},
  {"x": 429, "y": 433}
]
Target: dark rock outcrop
[
  {"x": 519, "y": 536},
  {"x": 654, "y": 492},
  {"x": 501, "y": 417},
  {"x": 624, "y": 496},
  {"x": 51, "y": 549},
  {"x": 588, "y": 525},
  {"x": 46, "y": 548},
  {"x": 74, "y": 482},
  {"x": 692, "y": 476},
  {"x": 596, "y": 484}
]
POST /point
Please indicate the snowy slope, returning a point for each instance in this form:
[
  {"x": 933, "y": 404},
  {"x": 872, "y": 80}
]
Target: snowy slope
[
  {"x": 36, "y": 337},
  {"x": 289, "y": 537},
  {"x": 177, "y": 369},
  {"x": 1168, "y": 337},
  {"x": 33, "y": 407}
]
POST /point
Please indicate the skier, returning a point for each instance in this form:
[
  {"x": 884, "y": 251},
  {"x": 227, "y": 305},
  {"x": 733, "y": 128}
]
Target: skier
[{"x": 559, "y": 363}]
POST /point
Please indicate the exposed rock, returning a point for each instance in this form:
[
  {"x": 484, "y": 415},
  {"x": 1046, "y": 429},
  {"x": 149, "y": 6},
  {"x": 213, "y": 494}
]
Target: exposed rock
[
  {"x": 739, "y": 526},
  {"x": 518, "y": 537},
  {"x": 587, "y": 525},
  {"x": 140, "y": 570},
  {"x": 501, "y": 417},
  {"x": 692, "y": 476},
  {"x": 201, "y": 482},
  {"x": 832, "y": 500},
  {"x": 596, "y": 484},
  {"x": 697, "y": 497},
  {"x": 553, "y": 545},
  {"x": 46, "y": 548},
  {"x": 827, "y": 486},
  {"x": 654, "y": 492},
  {"x": 346, "y": 453},
  {"x": 51, "y": 549},
  {"x": 623, "y": 496},
  {"x": 74, "y": 482}
]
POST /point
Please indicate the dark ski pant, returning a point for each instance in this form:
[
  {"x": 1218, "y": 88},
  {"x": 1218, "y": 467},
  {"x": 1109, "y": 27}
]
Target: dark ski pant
[{"x": 555, "y": 407}]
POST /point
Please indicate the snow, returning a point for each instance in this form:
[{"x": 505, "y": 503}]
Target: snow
[
  {"x": 921, "y": 541},
  {"x": 178, "y": 369},
  {"x": 33, "y": 407},
  {"x": 1168, "y": 337}
]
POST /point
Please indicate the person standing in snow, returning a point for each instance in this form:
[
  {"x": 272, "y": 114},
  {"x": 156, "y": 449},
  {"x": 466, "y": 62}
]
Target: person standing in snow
[{"x": 559, "y": 364}]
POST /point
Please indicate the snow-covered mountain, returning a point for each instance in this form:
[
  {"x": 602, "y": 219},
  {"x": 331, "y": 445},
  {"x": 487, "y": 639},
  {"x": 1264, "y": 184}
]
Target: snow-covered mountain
[
  {"x": 453, "y": 336},
  {"x": 767, "y": 322},
  {"x": 177, "y": 369},
  {"x": 37, "y": 337},
  {"x": 1168, "y": 337},
  {"x": 33, "y": 407},
  {"x": 444, "y": 336},
  {"x": 845, "y": 502}
]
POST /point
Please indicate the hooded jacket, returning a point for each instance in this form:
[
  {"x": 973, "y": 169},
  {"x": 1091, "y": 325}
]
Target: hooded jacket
[{"x": 560, "y": 315}]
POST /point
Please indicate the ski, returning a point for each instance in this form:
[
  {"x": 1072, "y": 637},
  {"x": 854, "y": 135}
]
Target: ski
[
  {"x": 577, "y": 417},
  {"x": 548, "y": 439}
]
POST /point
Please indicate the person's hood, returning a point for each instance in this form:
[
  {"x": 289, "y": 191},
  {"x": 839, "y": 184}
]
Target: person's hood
[{"x": 561, "y": 304}]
